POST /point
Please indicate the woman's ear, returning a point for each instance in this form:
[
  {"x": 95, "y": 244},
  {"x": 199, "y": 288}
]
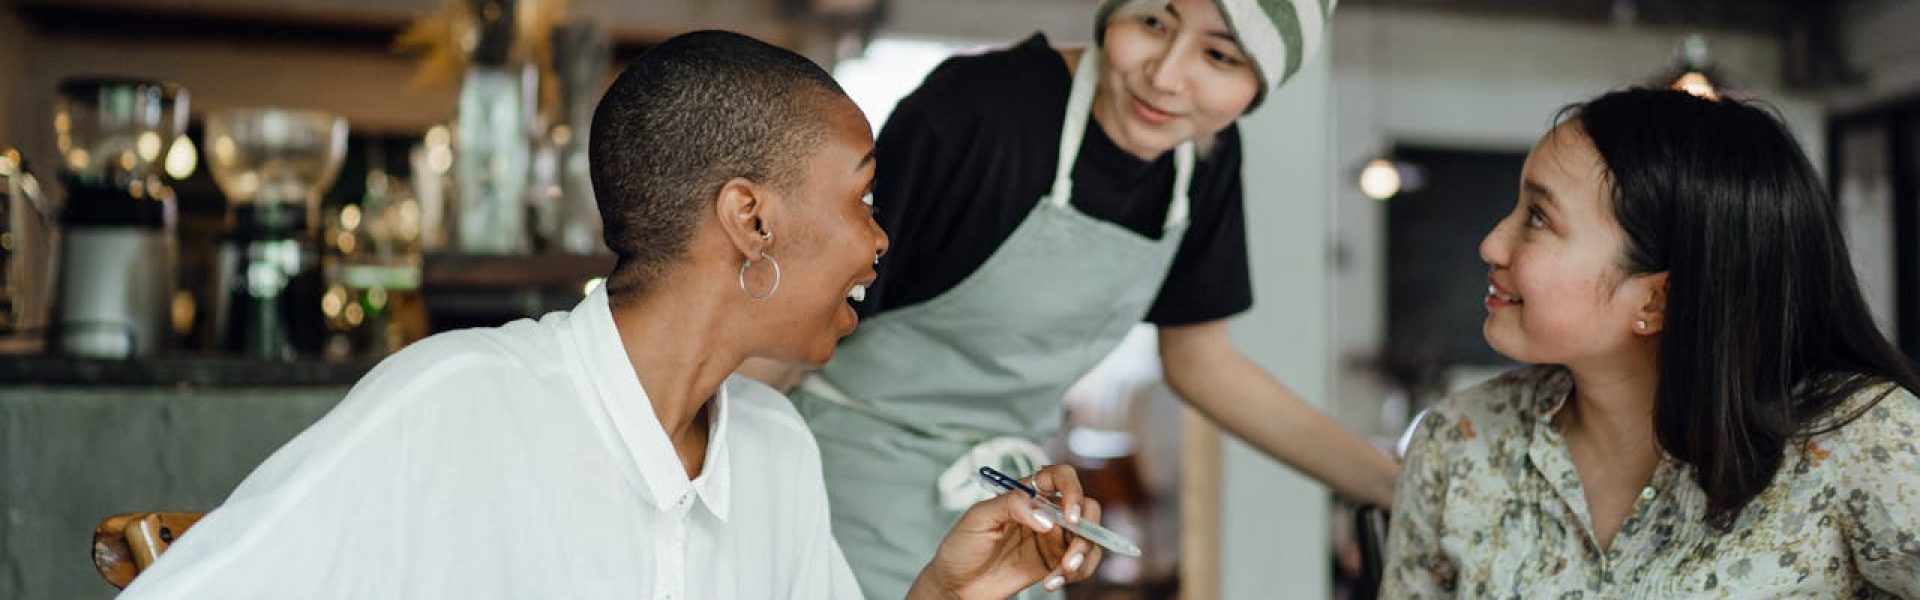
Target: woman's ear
[
  {"x": 1651, "y": 316},
  {"x": 744, "y": 215}
]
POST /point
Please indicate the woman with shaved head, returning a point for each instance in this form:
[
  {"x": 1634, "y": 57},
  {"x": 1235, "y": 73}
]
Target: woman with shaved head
[{"x": 604, "y": 452}]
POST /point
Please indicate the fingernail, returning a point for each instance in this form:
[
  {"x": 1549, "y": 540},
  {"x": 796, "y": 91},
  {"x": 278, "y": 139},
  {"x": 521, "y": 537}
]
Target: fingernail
[
  {"x": 1053, "y": 583},
  {"x": 1073, "y": 514},
  {"x": 1074, "y": 560},
  {"x": 1046, "y": 524}
]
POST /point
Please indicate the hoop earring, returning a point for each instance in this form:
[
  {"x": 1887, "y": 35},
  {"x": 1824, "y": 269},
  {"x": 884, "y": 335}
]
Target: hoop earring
[{"x": 744, "y": 265}]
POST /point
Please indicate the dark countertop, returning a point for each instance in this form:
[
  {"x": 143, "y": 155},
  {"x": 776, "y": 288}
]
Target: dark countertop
[{"x": 204, "y": 371}]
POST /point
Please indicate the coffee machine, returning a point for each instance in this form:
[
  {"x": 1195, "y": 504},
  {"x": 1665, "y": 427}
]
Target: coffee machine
[
  {"x": 272, "y": 164},
  {"x": 117, "y": 250}
]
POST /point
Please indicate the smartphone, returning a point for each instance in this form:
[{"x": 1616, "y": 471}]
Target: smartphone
[{"x": 1106, "y": 538}]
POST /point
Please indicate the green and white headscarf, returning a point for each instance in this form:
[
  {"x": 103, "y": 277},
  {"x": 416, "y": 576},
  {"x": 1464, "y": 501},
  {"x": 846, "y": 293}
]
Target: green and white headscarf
[{"x": 1277, "y": 35}]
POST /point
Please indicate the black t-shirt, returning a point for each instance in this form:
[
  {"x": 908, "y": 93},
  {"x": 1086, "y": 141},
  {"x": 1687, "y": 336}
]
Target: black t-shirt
[{"x": 967, "y": 156}]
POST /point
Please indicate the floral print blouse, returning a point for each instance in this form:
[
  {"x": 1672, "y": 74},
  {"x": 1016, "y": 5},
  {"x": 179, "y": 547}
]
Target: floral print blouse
[{"x": 1489, "y": 506}]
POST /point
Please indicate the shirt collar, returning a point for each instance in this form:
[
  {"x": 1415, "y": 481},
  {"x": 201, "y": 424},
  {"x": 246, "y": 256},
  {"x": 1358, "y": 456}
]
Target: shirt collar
[
  {"x": 716, "y": 474},
  {"x": 662, "y": 479},
  {"x": 1554, "y": 391}
]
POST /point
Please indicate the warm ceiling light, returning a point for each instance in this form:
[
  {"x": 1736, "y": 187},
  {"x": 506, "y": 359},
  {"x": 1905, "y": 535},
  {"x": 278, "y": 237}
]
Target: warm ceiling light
[
  {"x": 182, "y": 159},
  {"x": 1379, "y": 180},
  {"x": 1696, "y": 83},
  {"x": 1693, "y": 71}
]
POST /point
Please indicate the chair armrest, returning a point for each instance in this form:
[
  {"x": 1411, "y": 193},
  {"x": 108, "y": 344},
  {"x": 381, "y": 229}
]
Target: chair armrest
[{"x": 126, "y": 544}]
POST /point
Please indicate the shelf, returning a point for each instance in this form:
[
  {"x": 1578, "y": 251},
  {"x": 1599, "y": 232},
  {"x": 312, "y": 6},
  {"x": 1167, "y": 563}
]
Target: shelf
[{"x": 568, "y": 271}]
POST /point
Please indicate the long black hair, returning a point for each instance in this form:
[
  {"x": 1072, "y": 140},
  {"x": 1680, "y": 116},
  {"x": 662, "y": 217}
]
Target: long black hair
[{"x": 1766, "y": 333}]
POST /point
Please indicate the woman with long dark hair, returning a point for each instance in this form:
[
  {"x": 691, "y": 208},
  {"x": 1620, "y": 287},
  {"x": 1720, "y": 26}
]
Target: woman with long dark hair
[{"x": 1712, "y": 412}]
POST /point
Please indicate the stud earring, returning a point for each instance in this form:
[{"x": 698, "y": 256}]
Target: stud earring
[{"x": 1640, "y": 324}]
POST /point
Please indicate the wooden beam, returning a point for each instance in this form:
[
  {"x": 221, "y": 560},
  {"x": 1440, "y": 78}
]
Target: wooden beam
[
  {"x": 338, "y": 31},
  {"x": 1199, "y": 507}
]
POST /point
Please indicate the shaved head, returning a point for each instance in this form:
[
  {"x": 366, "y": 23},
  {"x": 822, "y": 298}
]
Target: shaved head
[{"x": 689, "y": 115}]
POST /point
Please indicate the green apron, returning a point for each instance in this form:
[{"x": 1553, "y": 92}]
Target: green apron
[{"x": 918, "y": 398}]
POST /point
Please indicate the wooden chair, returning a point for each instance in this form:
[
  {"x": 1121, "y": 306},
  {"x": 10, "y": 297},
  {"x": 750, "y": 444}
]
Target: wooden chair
[{"x": 126, "y": 544}]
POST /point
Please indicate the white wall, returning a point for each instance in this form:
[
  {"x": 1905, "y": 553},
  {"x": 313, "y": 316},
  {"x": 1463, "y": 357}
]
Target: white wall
[
  {"x": 1866, "y": 215},
  {"x": 1482, "y": 82},
  {"x": 918, "y": 35},
  {"x": 1273, "y": 522}
]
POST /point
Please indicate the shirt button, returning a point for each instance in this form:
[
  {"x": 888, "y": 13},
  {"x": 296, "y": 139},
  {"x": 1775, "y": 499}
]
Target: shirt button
[{"x": 1647, "y": 493}]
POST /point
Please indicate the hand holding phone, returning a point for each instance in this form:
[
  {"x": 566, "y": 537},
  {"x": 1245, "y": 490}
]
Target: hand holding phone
[{"x": 1106, "y": 538}]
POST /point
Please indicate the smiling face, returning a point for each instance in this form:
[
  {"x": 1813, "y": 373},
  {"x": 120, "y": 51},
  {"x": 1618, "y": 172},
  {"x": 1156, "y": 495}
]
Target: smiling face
[
  {"x": 1173, "y": 73},
  {"x": 1557, "y": 292},
  {"x": 827, "y": 242}
]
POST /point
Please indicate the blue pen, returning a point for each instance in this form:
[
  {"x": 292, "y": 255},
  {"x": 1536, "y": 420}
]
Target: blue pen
[{"x": 1106, "y": 538}]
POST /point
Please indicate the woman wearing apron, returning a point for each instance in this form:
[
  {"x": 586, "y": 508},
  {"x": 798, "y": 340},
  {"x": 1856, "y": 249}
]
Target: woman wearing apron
[{"x": 1042, "y": 202}]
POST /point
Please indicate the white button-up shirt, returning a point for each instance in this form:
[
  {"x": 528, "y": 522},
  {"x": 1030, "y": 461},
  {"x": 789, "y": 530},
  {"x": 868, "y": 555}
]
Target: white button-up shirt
[{"x": 523, "y": 461}]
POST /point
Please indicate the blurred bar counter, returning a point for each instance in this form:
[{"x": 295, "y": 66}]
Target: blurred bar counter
[
  {"x": 82, "y": 439},
  {"x": 186, "y": 374},
  {"x": 134, "y": 436}
]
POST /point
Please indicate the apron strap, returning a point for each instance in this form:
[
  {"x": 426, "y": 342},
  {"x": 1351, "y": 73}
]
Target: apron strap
[
  {"x": 1182, "y": 179},
  {"x": 819, "y": 386},
  {"x": 1086, "y": 79}
]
